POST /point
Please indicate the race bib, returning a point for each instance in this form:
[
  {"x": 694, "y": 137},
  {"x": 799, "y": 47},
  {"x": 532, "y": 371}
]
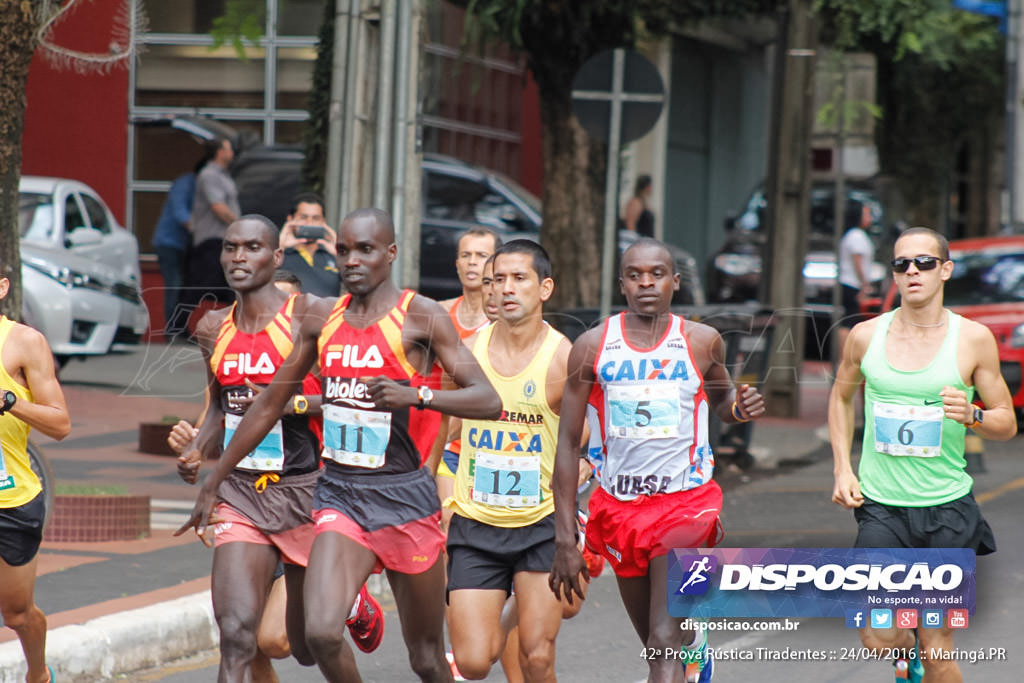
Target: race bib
[
  {"x": 506, "y": 480},
  {"x": 643, "y": 411},
  {"x": 268, "y": 456},
  {"x": 908, "y": 430},
  {"x": 6, "y": 480},
  {"x": 356, "y": 437}
]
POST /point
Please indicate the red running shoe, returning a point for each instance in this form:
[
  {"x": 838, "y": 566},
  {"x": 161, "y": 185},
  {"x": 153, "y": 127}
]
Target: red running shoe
[{"x": 367, "y": 628}]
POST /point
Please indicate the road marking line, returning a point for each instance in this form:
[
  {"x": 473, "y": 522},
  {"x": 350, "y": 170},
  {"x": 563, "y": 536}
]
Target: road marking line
[
  {"x": 172, "y": 504},
  {"x": 983, "y": 498}
]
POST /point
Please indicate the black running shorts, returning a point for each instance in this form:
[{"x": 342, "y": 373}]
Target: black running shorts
[
  {"x": 956, "y": 524},
  {"x": 21, "y": 531},
  {"x": 487, "y": 557}
]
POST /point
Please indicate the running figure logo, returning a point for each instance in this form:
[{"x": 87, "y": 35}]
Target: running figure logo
[{"x": 696, "y": 581}]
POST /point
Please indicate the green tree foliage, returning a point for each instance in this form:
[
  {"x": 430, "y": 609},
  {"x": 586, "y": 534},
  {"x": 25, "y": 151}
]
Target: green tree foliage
[
  {"x": 315, "y": 135},
  {"x": 940, "y": 81}
]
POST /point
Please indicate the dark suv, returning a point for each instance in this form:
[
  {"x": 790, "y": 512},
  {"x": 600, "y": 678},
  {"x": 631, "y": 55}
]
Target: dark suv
[{"x": 456, "y": 197}]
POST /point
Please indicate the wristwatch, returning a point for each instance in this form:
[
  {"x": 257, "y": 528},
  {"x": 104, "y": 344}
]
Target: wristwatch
[
  {"x": 426, "y": 395},
  {"x": 10, "y": 398},
  {"x": 300, "y": 404},
  {"x": 979, "y": 417}
]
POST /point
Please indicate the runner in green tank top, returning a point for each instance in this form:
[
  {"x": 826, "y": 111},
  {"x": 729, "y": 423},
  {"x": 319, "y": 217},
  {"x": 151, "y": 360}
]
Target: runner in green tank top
[{"x": 922, "y": 366}]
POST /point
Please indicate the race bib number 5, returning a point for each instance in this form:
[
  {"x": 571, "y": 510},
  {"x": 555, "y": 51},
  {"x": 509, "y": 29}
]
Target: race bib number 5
[
  {"x": 643, "y": 411},
  {"x": 355, "y": 437},
  {"x": 268, "y": 456},
  {"x": 908, "y": 430},
  {"x": 506, "y": 480}
]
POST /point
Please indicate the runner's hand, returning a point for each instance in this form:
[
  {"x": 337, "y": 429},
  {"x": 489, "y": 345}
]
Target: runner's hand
[
  {"x": 387, "y": 393},
  {"x": 955, "y": 405},
  {"x": 181, "y": 437},
  {"x": 846, "y": 491},
  {"x": 188, "y": 465},
  {"x": 750, "y": 402},
  {"x": 202, "y": 515},
  {"x": 568, "y": 573}
]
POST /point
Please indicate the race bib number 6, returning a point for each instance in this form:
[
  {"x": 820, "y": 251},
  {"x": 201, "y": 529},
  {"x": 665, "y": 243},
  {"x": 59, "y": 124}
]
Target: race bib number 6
[
  {"x": 355, "y": 437},
  {"x": 506, "y": 480},
  {"x": 643, "y": 411},
  {"x": 908, "y": 430}
]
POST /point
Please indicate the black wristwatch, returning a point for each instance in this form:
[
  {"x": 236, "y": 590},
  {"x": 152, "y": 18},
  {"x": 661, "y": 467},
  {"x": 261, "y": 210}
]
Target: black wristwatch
[
  {"x": 10, "y": 398},
  {"x": 979, "y": 417}
]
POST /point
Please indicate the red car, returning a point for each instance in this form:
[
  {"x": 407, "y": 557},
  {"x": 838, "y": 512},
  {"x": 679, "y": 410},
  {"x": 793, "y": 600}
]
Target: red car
[{"x": 988, "y": 286}]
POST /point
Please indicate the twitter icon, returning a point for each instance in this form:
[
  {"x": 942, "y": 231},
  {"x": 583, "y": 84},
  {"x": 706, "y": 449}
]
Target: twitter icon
[{"x": 881, "y": 618}]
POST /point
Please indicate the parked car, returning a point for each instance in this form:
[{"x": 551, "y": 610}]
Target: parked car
[
  {"x": 456, "y": 196},
  {"x": 80, "y": 270},
  {"x": 734, "y": 271},
  {"x": 988, "y": 286}
]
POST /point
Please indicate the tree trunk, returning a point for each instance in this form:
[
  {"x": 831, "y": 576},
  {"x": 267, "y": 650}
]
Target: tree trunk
[
  {"x": 18, "y": 24},
  {"x": 573, "y": 200}
]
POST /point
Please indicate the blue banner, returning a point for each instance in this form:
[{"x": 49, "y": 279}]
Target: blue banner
[{"x": 819, "y": 582}]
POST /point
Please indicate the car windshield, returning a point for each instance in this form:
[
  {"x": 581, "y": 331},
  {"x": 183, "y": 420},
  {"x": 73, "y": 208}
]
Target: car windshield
[
  {"x": 35, "y": 216},
  {"x": 986, "y": 278},
  {"x": 518, "y": 190}
]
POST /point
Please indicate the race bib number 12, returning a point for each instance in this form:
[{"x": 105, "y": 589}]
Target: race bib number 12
[{"x": 506, "y": 480}]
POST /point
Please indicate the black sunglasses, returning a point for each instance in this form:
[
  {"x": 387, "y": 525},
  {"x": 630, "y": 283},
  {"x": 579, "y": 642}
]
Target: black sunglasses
[{"x": 900, "y": 265}]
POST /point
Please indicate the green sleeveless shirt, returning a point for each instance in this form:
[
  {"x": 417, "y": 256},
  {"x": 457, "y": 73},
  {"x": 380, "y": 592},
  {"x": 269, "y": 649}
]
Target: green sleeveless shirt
[{"x": 912, "y": 455}]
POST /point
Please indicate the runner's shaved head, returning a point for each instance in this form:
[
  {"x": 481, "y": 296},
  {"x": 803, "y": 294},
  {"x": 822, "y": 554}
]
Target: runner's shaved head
[
  {"x": 644, "y": 245},
  {"x": 385, "y": 226}
]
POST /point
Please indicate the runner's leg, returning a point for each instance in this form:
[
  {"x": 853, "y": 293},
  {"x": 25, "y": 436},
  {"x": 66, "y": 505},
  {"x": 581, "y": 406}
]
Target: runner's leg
[
  {"x": 272, "y": 635},
  {"x": 540, "y": 616},
  {"x": 338, "y": 567},
  {"x": 475, "y": 629},
  {"x": 420, "y": 601},
  {"x": 242, "y": 573},
  {"x": 17, "y": 605}
]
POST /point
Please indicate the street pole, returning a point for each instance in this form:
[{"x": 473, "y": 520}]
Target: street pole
[
  {"x": 611, "y": 183},
  {"x": 839, "y": 212}
]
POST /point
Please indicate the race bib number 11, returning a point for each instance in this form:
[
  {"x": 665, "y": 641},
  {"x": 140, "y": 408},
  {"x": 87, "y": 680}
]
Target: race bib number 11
[
  {"x": 355, "y": 437},
  {"x": 908, "y": 430}
]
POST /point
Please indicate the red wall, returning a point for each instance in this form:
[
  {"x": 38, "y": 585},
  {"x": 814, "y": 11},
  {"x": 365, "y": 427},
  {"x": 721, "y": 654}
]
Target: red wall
[
  {"x": 532, "y": 163},
  {"x": 76, "y": 123}
]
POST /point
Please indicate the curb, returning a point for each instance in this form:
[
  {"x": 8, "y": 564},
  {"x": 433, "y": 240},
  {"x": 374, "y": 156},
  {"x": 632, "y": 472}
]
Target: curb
[{"x": 107, "y": 646}]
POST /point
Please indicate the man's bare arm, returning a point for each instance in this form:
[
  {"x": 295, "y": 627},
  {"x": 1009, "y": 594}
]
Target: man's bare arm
[
  {"x": 846, "y": 488},
  {"x": 1000, "y": 421},
  {"x": 47, "y": 412},
  {"x": 568, "y": 562},
  {"x": 221, "y": 210}
]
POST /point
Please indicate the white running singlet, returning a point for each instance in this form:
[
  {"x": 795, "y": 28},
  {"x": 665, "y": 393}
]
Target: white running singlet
[{"x": 648, "y": 415}]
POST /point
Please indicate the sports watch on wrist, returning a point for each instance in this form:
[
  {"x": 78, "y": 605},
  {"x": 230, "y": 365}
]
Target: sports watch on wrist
[
  {"x": 426, "y": 395},
  {"x": 300, "y": 404},
  {"x": 979, "y": 417},
  {"x": 10, "y": 398}
]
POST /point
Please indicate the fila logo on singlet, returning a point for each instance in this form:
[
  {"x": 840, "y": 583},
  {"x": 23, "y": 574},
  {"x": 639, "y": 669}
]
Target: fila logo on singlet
[
  {"x": 351, "y": 357},
  {"x": 243, "y": 363}
]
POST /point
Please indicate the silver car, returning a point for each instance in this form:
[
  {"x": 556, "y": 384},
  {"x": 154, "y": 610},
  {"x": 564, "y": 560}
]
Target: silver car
[{"x": 80, "y": 270}]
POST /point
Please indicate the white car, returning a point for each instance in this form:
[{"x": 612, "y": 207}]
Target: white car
[{"x": 80, "y": 270}]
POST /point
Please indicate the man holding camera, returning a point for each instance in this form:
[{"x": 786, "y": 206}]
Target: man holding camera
[{"x": 309, "y": 250}]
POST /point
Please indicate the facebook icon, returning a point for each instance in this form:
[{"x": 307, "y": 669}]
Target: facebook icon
[{"x": 854, "y": 618}]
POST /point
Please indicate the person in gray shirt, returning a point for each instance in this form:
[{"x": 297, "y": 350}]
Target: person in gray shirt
[{"x": 214, "y": 207}]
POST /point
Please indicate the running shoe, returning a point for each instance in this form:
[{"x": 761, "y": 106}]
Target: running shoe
[
  {"x": 451, "y": 662},
  {"x": 699, "y": 665},
  {"x": 911, "y": 670},
  {"x": 367, "y": 627}
]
